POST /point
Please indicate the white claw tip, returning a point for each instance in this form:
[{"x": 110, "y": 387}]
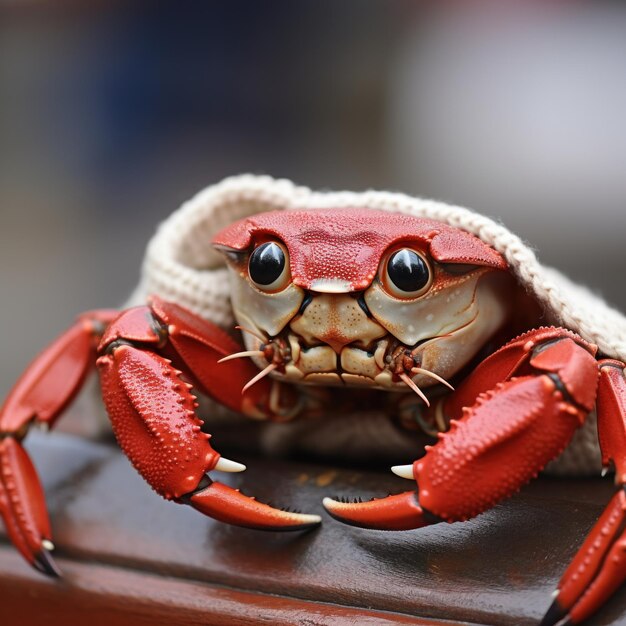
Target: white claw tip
[
  {"x": 226, "y": 465},
  {"x": 329, "y": 502},
  {"x": 47, "y": 544},
  {"x": 555, "y": 594},
  {"x": 604, "y": 472},
  {"x": 404, "y": 471}
]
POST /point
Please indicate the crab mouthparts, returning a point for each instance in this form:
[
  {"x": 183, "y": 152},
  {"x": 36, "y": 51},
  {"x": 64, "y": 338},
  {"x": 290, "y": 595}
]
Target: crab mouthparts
[{"x": 384, "y": 364}]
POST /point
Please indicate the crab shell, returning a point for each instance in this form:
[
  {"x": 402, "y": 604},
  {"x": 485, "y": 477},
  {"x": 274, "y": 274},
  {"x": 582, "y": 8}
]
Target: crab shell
[{"x": 334, "y": 319}]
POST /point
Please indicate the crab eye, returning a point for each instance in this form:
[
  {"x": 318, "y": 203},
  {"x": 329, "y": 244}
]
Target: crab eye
[
  {"x": 268, "y": 266},
  {"x": 407, "y": 274}
]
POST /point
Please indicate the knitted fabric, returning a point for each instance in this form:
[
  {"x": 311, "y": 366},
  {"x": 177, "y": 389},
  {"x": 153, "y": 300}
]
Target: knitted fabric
[{"x": 180, "y": 265}]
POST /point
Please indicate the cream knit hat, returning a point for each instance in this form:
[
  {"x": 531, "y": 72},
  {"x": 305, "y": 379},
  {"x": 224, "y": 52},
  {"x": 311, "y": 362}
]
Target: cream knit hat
[{"x": 180, "y": 265}]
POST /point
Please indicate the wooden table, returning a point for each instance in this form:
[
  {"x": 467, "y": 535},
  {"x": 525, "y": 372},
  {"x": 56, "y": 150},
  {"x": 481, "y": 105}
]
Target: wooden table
[{"x": 129, "y": 557}]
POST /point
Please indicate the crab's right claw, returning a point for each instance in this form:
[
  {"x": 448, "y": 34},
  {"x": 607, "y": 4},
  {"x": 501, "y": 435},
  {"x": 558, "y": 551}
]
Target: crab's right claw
[{"x": 152, "y": 411}]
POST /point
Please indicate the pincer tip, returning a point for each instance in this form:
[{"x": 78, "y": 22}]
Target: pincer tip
[{"x": 45, "y": 564}]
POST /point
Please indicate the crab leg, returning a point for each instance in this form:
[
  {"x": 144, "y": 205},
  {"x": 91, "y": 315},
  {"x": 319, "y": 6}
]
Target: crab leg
[
  {"x": 152, "y": 411},
  {"x": 599, "y": 567},
  {"x": 498, "y": 444},
  {"x": 47, "y": 386}
]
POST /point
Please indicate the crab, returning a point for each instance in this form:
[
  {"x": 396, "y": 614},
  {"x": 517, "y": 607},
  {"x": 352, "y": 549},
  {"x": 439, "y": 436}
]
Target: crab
[{"x": 425, "y": 318}]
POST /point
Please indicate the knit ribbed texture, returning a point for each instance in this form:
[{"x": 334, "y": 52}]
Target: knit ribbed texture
[{"x": 181, "y": 266}]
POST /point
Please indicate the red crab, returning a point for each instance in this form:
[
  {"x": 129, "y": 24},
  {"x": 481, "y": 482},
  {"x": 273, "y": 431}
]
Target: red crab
[{"x": 347, "y": 301}]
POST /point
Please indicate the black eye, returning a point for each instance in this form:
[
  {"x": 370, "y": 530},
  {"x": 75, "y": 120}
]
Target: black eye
[
  {"x": 267, "y": 264},
  {"x": 407, "y": 272}
]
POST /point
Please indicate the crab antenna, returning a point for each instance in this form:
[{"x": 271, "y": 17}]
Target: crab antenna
[
  {"x": 257, "y": 378},
  {"x": 420, "y": 370},
  {"x": 253, "y": 333},
  {"x": 240, "y": 355},
  {"x": 415, "y": 388}
]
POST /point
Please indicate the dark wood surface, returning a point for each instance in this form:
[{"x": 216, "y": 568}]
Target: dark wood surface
[{"x": 129, "y": 557}]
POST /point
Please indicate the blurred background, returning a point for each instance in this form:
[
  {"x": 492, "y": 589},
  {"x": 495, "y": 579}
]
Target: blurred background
[{"x": 112, "y": 114}]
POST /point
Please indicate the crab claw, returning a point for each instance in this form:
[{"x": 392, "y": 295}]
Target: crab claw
[
  {"x": 480, "y": 449},
  {"x": 229, "y": 505},
  {"x": 156, "y": 425},
  {"x": 399, "y": 512}
]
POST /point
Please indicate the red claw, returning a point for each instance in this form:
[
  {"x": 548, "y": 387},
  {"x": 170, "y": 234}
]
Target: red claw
[
  {"x": 152, "y": 411},
  {"x": 478, "y": 462}
]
